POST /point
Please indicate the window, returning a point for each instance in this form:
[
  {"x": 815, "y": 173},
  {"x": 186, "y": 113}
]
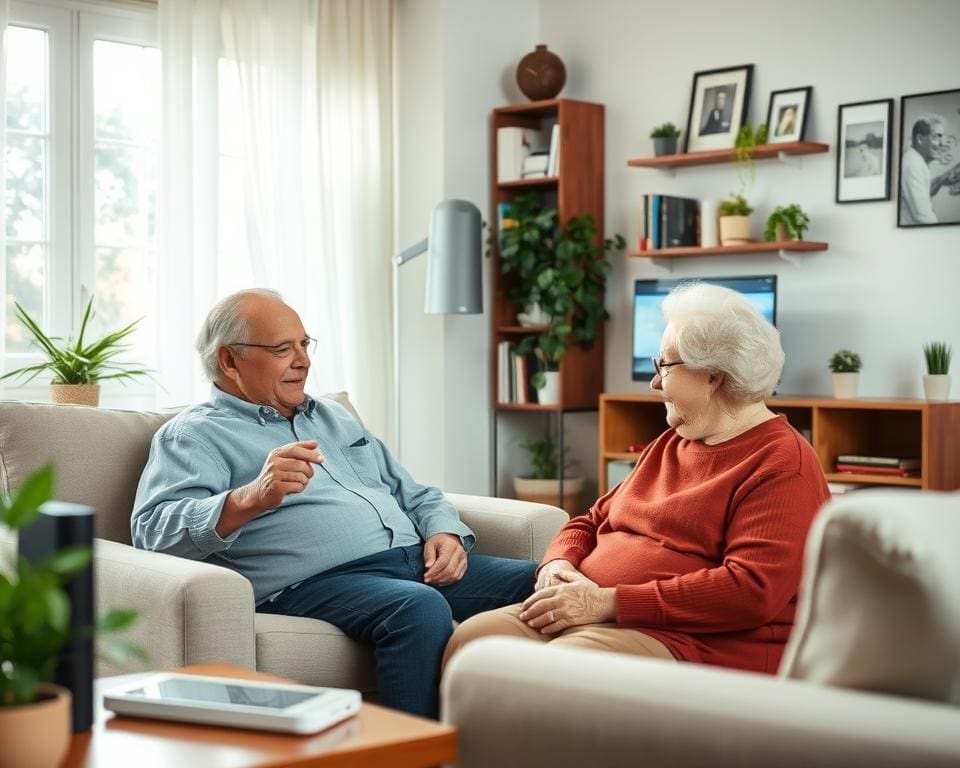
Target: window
[{"x": 83, "y": 117}]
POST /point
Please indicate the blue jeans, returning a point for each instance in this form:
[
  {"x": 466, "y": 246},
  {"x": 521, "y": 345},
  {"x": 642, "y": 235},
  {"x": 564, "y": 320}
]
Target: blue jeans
[{"x": 381, "y": 599}]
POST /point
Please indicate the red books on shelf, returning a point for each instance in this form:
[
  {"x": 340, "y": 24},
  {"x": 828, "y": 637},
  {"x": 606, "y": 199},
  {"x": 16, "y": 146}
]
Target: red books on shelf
[{"x": 873, "y": 470}]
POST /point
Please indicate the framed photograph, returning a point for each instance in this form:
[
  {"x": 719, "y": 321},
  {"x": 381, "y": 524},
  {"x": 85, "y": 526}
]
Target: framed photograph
[
  {"x": 787, "y": 115},
  {"x": 864, "y": 141},
  {"x": 929, "y": 180},
  {"x": 718, "y": 106}
]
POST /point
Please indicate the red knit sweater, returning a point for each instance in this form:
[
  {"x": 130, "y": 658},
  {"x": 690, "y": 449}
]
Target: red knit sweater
[{"x": 704, "y": 543}]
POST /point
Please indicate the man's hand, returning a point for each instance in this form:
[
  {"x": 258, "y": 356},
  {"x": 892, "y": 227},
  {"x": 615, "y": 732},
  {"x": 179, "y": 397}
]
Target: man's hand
[
  {"x": 444, "y": 560},
  {"x": 287, "y": 470},
  {"x": 574, "y": 602},
  {"x": 549, "y": 575}
]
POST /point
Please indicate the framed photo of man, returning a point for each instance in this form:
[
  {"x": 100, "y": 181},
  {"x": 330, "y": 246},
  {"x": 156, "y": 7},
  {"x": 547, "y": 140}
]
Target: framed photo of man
[
  {"x": 718, "y": 106},
  {"x": 864, "y": 150},
  {"x": 787, "y": 115},
  {"x": 929, "y": 182}
]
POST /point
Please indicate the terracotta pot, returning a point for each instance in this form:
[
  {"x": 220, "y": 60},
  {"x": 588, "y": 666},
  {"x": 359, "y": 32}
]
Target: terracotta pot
[
  {"x": 548, "y": 492},
  {"x": 734, "y": 230},
  {"x": 36, "y": 735},
  {"x": 75, "y": 394},
  {"x": 782, "y": 234},
  {"x": 541, "y": 74}
]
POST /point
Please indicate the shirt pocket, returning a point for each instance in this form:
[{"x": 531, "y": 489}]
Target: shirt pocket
[{"x": 364, "y": 463}]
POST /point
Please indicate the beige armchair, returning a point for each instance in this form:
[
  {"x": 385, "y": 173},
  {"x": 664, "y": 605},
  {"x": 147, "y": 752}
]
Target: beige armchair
[
  {"x": 871, "y": 675},
  {"x": 193, "y": 612}
]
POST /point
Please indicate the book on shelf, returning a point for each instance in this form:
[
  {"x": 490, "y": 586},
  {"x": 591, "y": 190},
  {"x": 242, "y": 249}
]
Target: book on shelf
[
  {"x": 679, "y": 225},
  {"x": 535, "y": 165},
  {"x": 553, "y": 155},
  {"x": 866, "y": 469},
  {"x": 514, "y": 145},
  {"x": 838, "y": 489},
  {"x": 880, "y": 461}
]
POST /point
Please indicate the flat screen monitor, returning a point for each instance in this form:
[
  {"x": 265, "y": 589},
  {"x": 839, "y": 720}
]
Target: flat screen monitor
[{"x": 648, "y": 323}]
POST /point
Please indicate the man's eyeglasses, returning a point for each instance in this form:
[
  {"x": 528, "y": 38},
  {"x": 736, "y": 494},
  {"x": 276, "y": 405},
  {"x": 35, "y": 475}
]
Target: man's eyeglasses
[
  {"x": 285, "y": 349},
  {"x": 659, "y": 365}
]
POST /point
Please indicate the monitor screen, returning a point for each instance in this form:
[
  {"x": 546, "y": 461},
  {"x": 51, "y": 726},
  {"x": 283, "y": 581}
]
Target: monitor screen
[{"x": 648, "y": 323}]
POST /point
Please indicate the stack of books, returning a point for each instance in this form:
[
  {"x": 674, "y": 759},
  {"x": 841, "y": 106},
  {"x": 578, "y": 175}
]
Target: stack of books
[
  {"x": 668, "y": 222},
  {"x": 896, "y": 466}
]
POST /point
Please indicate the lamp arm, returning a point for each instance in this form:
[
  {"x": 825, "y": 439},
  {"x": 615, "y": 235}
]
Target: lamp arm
[{"x": 410, "y": 253}]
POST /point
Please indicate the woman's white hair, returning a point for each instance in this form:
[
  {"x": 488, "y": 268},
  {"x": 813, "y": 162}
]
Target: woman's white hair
[
  {"x": 226, "y": 324},
  {"x": 719, "y": 330}
]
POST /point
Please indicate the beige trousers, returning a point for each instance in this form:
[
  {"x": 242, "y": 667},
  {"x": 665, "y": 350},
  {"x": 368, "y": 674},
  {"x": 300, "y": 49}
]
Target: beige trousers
[{"x": 603, "y": 637}]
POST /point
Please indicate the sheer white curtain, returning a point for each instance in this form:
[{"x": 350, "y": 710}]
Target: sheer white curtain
[{"x": 315, "y": 125}]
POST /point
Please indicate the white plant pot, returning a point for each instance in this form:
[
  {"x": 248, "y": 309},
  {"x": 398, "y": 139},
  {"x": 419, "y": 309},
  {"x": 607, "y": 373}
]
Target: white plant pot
[
  {"x": 533, "y": 315},
  {"x": 550, "y": 394},
  {"x": 845, "y": 385},
  {"x": 936, "y": 386}
]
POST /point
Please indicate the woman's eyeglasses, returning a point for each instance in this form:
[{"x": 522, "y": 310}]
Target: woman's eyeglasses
[{"x": 659, "y": 365}]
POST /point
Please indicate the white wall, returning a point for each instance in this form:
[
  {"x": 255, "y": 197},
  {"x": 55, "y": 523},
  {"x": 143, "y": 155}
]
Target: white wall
[{"x": 880, "y": 290}]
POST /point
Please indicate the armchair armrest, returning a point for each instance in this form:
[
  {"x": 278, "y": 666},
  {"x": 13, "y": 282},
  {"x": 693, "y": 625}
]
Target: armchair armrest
[
  {"x": 520, "y": 703},
  {"x": 509, "y": 528},
  {"x": 189, "y": 612}
]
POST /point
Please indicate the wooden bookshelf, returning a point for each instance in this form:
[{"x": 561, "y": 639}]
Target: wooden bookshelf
[
  {"x": 577, "y": 189},
  {"x": 719, "y": 250},
  {"x": 862, "y": 426},
  {"x": 715, "y": 156}
]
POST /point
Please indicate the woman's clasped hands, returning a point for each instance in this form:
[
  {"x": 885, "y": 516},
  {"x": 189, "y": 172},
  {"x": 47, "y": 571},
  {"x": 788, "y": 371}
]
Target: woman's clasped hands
[{"x": 565, "y": 598}]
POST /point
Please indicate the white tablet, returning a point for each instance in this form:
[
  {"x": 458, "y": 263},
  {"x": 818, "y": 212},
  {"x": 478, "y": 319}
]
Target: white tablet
[{"x": 238, "y": 703}]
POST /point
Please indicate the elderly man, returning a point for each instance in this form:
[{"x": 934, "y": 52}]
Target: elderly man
[
  {"x": 918, "y": 186},
  {"x": 296, "y": 495}
]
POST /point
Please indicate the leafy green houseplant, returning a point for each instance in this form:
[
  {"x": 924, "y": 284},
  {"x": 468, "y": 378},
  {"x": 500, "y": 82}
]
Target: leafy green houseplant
[
  {"x": 35, "y": 610},
  {"x": 543, "y": 484},
  {"x": 78, "y": 363},
  {"x": 665, "y": 139},
  {"x": 560, "y": 268},
  {"x": 735, "y": 205},
  {"x": 665, "y": 131},
  {"x": 790, "y": 219},
  {"x": 747, "y": 139},
  {"x": 937, "y": 354},
  {"x": 845, "y": 361}
]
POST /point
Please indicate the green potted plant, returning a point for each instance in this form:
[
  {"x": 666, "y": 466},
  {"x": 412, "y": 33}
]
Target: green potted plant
[
  {"x": 665, "y": 139},
  {"x": 35, "y": 716},
  {"x": 735, "y": 220},
  {"x": 77, "y": 367},
  {"x": 845, "y": 368},
  {"x": 936, "y": 381},
  {"x": 748, "y": 137},
  {"x": 562, "y": 271},
  {"x": 787, "y": 222},
  {"x": 542, "y": 484}
]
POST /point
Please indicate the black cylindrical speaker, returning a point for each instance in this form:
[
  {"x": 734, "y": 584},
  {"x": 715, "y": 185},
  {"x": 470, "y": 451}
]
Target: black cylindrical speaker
[{"x": 60, "y": 525}]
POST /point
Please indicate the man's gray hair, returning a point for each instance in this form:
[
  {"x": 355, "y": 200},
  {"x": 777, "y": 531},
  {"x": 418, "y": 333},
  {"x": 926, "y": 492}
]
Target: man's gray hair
[
  {"x": 923, "y": 125},
  {"x": 226, "y": 324},
  {"x": 719, "y": 330}
]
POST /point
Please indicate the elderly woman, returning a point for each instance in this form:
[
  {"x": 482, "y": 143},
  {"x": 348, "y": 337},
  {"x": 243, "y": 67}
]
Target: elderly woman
[{"x": 696, "y": 555}]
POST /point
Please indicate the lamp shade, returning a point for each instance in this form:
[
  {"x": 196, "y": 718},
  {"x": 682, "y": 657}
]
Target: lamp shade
[{"x": 454, "y": 268}]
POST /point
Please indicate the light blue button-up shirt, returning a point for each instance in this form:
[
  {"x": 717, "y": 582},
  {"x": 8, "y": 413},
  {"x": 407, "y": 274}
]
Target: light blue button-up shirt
[{"x": 360, "y": 500}]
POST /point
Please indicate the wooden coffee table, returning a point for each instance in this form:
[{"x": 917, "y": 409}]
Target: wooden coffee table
[{"x": 377, "y": 736}]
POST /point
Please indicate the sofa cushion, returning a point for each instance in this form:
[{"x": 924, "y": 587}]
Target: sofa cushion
[
  {"x": 312, "y": 652},
  {"x": 880, "y": 606}
]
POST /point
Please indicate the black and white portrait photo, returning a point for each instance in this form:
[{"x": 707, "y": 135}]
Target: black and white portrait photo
[
  {"x": 929, "y": 185},
  {"x": 787, "y": 114},
  {"x": 863, "y": 159},
  {"x": 718, "y": 105}
]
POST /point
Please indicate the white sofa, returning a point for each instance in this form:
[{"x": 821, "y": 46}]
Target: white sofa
[
  {"x": 871, "y": 675},
  {"x": 194, "y": 612}
]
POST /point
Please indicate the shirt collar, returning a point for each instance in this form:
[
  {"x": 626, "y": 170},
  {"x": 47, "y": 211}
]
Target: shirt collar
[{"x": 259, "y": 413}]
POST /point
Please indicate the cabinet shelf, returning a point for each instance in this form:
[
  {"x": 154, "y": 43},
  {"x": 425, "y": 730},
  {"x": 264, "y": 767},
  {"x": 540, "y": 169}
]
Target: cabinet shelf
[
  {"x": 540, "y": 182},
  {"x": 717, "y": 250},
  {"x": 864, "y": 427},
  {"x": 714, "y": 156},
  {"x": 520, "y": 330}
]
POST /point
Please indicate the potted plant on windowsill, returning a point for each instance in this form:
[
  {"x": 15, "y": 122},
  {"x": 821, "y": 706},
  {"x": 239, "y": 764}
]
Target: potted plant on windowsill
[
  {"x": 542, "y": 485},
  {"x": 936, "y": 381},
  {"x": 735, "y": 220},
  {"x": 787, "y": 222},
  {"x": 665, "y": 138},
  {"x": 78, "y": 366},
  {"x": 562, "y": 270},
  {"x": 35, "y": 715},
  {"x": 845, "y": 366}
]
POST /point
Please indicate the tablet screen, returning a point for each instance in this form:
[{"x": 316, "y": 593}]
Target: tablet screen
[{"x": 222, "y": 693}]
